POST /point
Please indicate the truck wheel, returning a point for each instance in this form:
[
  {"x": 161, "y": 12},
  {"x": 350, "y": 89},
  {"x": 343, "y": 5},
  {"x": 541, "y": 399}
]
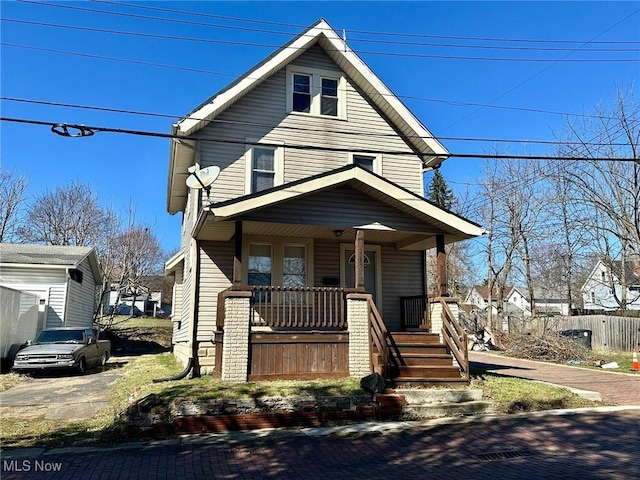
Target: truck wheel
[
  {"x": 104, "y": 358},
  {"x": 82, "y": 365}
]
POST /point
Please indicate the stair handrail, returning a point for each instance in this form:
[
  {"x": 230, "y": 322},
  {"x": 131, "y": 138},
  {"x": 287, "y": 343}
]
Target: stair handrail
[
  {"x": 379, "y": 335},
  {"x": 456, "y": 339}
]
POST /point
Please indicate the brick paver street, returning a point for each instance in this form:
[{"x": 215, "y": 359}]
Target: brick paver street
[{"x": 588, "y": 445}]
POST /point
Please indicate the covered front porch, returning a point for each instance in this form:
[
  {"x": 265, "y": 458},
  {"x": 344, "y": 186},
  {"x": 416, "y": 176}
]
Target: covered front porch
[{"x": 322, "y": 277}]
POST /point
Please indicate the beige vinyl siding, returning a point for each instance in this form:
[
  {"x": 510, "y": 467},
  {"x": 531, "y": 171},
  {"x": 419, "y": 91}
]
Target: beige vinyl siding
[
  {"x": 39, "y": 280},
  {"x": 401, "y": 277},
  {"x": 329, "y": 208},
  {"x": 81, "y": 298},
  {"x": 261, "y": 113},
  {"x": 216, "y": 273},
  {"x": 181, "y": 327}
]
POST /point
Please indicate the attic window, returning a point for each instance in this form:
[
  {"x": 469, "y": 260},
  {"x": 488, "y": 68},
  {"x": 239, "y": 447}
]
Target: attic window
[
  {"x": 301, "y": 93},
  {"x": 316, "y": 92}
]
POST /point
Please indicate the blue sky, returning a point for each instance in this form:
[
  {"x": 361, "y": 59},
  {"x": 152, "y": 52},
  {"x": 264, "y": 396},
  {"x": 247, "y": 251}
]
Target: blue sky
[{"x": 437, "y": 79}]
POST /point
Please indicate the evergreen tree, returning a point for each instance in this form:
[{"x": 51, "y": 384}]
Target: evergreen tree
[{"x": 439, "y": 193}]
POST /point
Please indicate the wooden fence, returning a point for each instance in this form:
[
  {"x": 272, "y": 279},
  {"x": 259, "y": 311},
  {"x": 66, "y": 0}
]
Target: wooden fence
[{"x": 608, "y": 332}]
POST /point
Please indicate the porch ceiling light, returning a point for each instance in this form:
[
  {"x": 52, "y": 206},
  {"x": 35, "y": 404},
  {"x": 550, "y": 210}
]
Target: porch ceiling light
[{"x": 337, "y": 233}]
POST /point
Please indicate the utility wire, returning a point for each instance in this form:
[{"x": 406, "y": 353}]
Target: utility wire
[
  {"x": 302, "y": 129},
  {"x": 367, "y": 32},
  {"x": 97, "y": 129},
  {"x": 254, "y": 44},
  {"x": 211, "y": 72},
  {"x": 353, "y": 40}
]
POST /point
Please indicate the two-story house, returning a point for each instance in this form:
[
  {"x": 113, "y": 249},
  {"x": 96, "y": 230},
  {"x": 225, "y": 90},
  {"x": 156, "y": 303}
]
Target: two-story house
[
  {"x": 603, "y": 289},
  {"x": 309, "y": 247}
]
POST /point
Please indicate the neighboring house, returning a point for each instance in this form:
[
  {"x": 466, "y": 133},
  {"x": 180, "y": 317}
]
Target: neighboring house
[
  {"x": 150, "y": 300},
  {"x": 516, "y": 301},
  {"x": 479, "y": 296},
  {"x": 64, "y": 278},
  {"x": 317, "y": 215},
  {"x": 603, "y": 288}
]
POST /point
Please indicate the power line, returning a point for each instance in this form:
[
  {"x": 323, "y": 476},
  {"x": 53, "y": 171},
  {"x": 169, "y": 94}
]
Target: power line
[
  {"x": 303, "y": 129},
  {"x": 254, "y": 44},
  {"x": 235, "y": 76},
  {"x": 97, "y": 129},
  {"x": 358, "y": 40},
  {"x": 367, "y": 32},
  {"x": 555, "y": 62}
]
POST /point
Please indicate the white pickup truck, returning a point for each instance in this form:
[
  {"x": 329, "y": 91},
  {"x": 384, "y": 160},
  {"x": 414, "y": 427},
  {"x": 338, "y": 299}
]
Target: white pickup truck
[{"x": 64, "y": 348}]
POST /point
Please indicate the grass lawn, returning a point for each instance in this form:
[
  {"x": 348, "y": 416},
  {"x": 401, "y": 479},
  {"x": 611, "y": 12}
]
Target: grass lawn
[{"x": 109, "y": 426}]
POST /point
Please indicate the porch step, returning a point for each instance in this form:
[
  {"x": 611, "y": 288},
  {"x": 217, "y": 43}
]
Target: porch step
[
  {"x": 425, "y": 359},
  {"x": 428, "y": 382},
  {"x": 434, "y": 403},
  {"x": 415, "y": 337},
  {"x": 438, "y": 371},
  {"x": 410, "y": 348}
]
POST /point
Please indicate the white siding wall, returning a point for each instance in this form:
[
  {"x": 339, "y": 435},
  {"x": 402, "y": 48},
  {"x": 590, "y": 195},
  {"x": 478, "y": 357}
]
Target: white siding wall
[
  {"x": 37, "y": 281},
  {"x": 81, "y": 298},
  {"x": 258, "y": 114}
]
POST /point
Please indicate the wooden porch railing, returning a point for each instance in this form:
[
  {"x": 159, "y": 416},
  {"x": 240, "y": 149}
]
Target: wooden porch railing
[
  {"x": 413, "y": 311},
  {"x": 379, "y": 340},
  {"x": 455, "y": 338},
  {"x": 298, "y": 307}
]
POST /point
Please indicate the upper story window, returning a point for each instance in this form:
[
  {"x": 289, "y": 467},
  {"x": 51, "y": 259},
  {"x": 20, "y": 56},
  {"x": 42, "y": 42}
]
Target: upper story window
[
  {"x": 301, "y": 93},
  {"x": 329, "y": 97},
  {"x": 368, "y": 162},
  {"x": 316, "y": 92},
  {"x": 264, "y": 167}
]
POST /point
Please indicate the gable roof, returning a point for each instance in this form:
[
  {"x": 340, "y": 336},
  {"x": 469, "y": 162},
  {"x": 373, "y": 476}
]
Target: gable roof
[
  {"x": 631, "y": 271},
  {"x": 422, "y": 140},
  {"x": 61, "y": 256},
  {"x": 453, "y": 226}
]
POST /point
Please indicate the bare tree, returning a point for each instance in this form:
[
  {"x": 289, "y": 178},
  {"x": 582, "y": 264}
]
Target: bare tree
[
  {"x": 12, "y": 198},
  {"x": 68, "y": 215},
  {"x": 608, "y": 192}
]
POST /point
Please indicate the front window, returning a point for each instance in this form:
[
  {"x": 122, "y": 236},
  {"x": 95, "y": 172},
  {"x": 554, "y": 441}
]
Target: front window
[
  {"x": 259, "y": 265},
  {"x": 301, "y": 93},
  {"x": 263, "y": 169},
  {"x": 329, "y": 98},
  {"x": 294, "y": 267}
]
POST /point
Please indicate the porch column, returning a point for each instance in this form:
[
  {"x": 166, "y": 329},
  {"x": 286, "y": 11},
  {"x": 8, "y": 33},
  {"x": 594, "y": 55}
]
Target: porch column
[
  {"x": 359, "y": 342},
  {"x": 441, "y": 267},
  {"x": 237, "y": 256},
  {"x": 359, "y": 266},
  {"x": 237, "y": 328}
]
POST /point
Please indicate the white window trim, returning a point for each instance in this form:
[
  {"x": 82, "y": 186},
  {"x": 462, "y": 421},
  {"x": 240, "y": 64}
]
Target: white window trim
[
  {"x": 377, "y": 162},
  {"x": 278, "y": 161},
  {"x": 316, "y": 90},
  {"x": 277, "y": 260}
]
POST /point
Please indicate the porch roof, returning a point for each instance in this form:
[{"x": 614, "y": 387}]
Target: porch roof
[{"x": 343, "y": 200}]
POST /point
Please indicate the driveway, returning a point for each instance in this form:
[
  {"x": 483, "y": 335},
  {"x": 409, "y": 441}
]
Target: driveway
[
  {"x": 63, "y": 397},
  {"x": 615, "y": 388}
]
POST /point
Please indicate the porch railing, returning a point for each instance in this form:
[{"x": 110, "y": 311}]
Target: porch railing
[
  {"x": 456, "y": 339},
  {"x": 380, "y": 351},
  {"x": 298, "y": 307},
  {"x": 413, "y": 311}
]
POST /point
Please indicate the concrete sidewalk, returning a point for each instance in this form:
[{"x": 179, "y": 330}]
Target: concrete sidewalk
[{"x": 615, "y": 388}]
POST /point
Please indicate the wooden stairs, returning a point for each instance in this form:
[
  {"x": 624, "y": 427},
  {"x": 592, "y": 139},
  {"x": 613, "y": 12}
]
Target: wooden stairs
[{"x": 418, "y": 359}]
